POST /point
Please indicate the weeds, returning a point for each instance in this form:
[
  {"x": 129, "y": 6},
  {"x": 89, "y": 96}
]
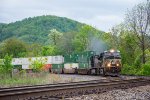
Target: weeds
[{"x": 23, "y": 80}]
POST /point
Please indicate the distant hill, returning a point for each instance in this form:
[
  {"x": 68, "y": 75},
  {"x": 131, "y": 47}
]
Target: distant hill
[{"x": 36, "y": 29}]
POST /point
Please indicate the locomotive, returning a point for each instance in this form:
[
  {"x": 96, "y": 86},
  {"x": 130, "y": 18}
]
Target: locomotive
[{"x": 107, "y": 63}]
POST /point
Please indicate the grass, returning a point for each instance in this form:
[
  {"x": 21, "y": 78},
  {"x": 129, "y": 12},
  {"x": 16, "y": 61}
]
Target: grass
[
  {"x": 28, "y": 79},
  {"x": 22, "y": 80}
]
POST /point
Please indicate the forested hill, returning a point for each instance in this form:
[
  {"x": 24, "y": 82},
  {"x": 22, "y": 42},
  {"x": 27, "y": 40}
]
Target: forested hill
[{"x": 36, "y": 29}]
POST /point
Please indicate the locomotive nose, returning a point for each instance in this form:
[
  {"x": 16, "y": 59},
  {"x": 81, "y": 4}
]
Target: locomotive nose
[{"x": 114, "y": 69}]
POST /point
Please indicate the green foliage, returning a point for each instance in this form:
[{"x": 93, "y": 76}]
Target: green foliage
[
  {"x": 38, "y": 64},
  {"x": 137, "y": 61},
  {"x": 125, "y": 40},
  {"x": 6, "y": 66},
  {"x": 49, "y": 50},
  {"x": 82, "y": 39},
  {"x": 130, "y": 70},
  {"x": 24, "y": 79},
  {"x": 7, "y": 63},
  {"x": 34, "y": 50},
  {"x": 66, "y": 43},
  {"x": 145, "y": 69},
  {"x": 13, "y": 47},
  {"x": 44, "y": 35},
  {"x": 147, "y": 52},
  {"x": 36, "y": 29},
  {"x": 55, "y": 36},
  {"x": 133, "y": 70}
]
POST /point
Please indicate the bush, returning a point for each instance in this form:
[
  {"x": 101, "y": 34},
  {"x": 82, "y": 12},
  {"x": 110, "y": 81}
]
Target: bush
[
  {"x": 38, "y": 64},
  {"x": 6, "y": 68},
  {"x": 130, "y": 70},
  {"x": 145, "y": 69}
]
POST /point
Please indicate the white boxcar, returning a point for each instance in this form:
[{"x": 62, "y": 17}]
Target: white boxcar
[
  {"x": 57, "y": 59},
  {"x": 30, "y": 60},
  {"x": 17, "y": 61},
  {"x": 49, "y": 59},
  {"x": 26, "y": 67},
  {"x": 26, "y": 61}
]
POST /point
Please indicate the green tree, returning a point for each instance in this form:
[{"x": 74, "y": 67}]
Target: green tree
[
  {"x": 138, "y": 21},
  {"x": 82, "y": 39},
  {"x": 66, "y": 44},
  {"x": 14, "y": 47},
  {"x": 34, "y": 50},
  {"x": 7, "y": 67},
  {"x": 124, "y": 40},
  {"x": 55, "y": 36},
  {"x": 49, "y": 50}
]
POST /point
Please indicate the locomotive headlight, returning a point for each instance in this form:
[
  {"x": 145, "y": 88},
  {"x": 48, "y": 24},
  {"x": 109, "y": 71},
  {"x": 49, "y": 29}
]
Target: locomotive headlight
[
  {"x": 112, "y": 50},
  {"x": 108, "y": 65},
  {"x": 117, "y": 65}
]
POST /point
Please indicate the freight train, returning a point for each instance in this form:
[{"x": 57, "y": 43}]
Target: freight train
[
  {"x": 88, "y": 62},
  {"x": 106, "y": 63}
]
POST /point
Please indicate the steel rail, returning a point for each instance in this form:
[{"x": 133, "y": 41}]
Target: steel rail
[{"x": 57, "y": 89}]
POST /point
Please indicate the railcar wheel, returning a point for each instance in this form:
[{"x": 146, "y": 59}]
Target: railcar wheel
[
  {"x": 102, "y": 72},
  {"x": 62, "y": 71},
  {"x": 76, "y": 71},
  {"x": 50, "y": 71},
  {"x": 89, "y": 72},
  {"x": 96, "y": 71},
  {"x": 93, "y": 71}
]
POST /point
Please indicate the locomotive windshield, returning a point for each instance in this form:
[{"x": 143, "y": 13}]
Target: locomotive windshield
[{"x": 114, "y": 55}]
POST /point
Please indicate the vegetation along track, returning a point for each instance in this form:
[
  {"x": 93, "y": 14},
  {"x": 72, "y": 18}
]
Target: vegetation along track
[{"x": 64, "y": 90}]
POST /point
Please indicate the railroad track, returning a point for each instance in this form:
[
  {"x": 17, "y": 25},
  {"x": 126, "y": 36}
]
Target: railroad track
[
  {"x": 63, "y": 90},
  {"x": 135, "y": 76}
]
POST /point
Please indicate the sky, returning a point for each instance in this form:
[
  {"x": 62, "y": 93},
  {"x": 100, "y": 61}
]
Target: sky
[{"x": 101, "y": 14}]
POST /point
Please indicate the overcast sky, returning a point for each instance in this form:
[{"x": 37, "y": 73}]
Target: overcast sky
[{"x": 102, "y": 14}]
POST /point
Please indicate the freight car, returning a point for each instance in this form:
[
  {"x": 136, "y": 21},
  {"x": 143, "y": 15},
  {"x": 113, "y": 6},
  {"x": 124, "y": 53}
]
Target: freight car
[{"x": 70, "y": 63}]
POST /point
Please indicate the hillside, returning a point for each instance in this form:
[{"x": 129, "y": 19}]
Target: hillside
[{"x": 36, "y": 29}]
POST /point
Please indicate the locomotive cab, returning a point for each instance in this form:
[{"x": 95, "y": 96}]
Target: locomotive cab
[{"x": 111, "y": 62}]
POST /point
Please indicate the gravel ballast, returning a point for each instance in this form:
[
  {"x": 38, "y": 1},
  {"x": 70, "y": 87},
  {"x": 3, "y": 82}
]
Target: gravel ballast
[{"x": 136, "y": 93}]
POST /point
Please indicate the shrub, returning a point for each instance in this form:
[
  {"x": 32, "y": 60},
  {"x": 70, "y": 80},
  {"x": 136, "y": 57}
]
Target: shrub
[
  {"x": 145, "y": 69},
  {"x": 38, "y": 64},
  {"x": 130, "y": 70},
  {"x": 6, "y": 68}
]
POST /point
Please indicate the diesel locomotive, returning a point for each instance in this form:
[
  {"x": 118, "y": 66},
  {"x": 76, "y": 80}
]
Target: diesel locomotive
[{"x": 107, "y": 63}]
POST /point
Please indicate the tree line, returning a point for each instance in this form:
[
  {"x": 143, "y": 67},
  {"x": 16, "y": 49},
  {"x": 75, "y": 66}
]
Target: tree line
[{"x": 60, "y": 44}]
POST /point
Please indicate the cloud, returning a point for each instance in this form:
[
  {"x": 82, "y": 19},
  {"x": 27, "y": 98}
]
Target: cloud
[
  {"x": 102, "y": 14},
  {"x": 103, "y": 21}
]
